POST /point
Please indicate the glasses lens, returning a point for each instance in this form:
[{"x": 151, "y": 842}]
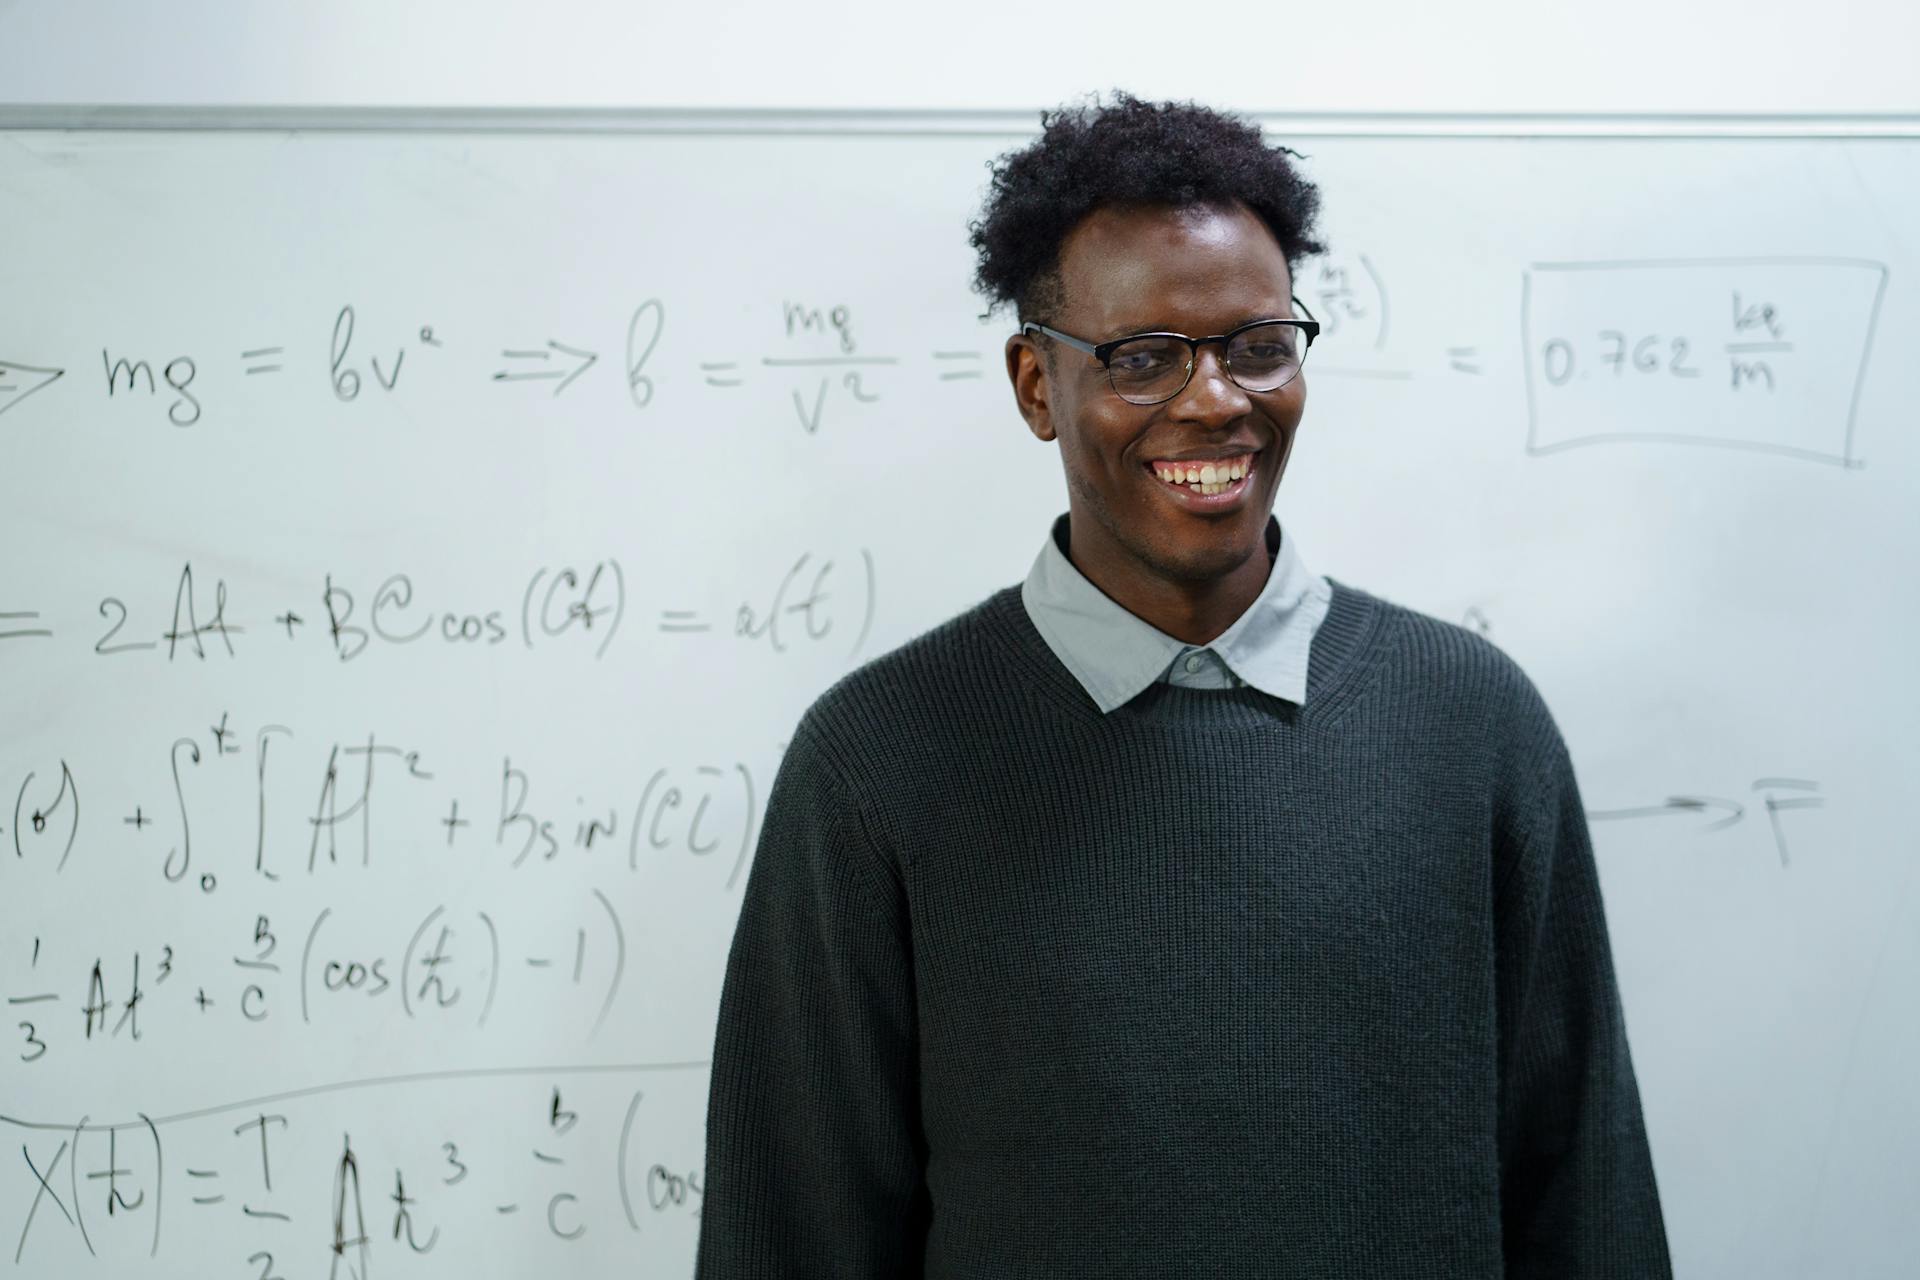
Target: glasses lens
[
  {"x": 1148, "y": 370},
  {"x": 1265, "y": 357}
]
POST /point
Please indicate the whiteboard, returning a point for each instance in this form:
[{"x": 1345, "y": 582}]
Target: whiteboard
[{"x": 422, "y": 538}]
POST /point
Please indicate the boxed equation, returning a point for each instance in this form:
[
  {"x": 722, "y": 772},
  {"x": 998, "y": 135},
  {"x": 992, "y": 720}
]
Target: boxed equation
[{"x": 1753, "y": 353}]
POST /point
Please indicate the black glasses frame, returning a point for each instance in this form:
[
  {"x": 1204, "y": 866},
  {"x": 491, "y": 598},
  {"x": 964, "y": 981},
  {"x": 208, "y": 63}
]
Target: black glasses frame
[{"x": 1103, "y": 351}]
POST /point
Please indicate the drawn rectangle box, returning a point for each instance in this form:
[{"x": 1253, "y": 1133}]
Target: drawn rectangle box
[{"x": 1747, "y": 353}]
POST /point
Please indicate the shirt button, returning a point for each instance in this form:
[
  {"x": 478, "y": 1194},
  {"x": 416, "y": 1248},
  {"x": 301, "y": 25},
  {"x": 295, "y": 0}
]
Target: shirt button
[{"x": 1193, "y": 661}]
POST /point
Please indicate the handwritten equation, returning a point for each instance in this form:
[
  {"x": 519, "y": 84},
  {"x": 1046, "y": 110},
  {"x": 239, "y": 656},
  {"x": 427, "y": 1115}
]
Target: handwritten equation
[
  {"x": 343, "y": 803},
  {"x": 400, "y": 1174},
  {"x": 1752, "y": 353},
  {"x": 815, "y": 352},
  {"x": 555, "y": 606},
  {"x": 353, "y": 962}
]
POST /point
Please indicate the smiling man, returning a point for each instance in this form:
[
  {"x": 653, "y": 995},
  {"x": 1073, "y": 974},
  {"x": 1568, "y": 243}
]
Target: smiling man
[{"x": 1177, "y": 911}]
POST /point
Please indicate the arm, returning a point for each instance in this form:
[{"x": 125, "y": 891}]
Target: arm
[
  {"x": 814, "y": 1148},
  {"x": 1578, "y": 1194}
]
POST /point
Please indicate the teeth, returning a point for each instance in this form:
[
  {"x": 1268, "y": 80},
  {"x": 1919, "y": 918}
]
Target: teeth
[{"x": 1205, "y": 477}]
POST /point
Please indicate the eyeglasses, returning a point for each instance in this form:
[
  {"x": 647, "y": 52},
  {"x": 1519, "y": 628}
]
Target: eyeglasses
[{"x": 1149, "y": 368}]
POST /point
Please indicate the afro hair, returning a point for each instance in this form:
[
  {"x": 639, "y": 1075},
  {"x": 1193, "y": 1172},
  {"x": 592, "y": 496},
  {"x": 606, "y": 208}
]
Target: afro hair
[{"x": 1133, "y": 152}]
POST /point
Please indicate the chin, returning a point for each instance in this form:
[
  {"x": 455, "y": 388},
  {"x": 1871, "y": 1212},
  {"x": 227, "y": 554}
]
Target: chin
[{"x": 1213, "y": 559}]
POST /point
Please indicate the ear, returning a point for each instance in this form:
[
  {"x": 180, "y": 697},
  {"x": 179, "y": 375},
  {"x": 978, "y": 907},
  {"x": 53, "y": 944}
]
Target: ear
[{"x": 1032, "y": 390}]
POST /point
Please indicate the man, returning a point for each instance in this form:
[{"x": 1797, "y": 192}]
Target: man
[{"x": 1178, "y": 912}]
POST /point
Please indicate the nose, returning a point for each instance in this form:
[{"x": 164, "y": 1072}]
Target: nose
[{"x": 1210, "y": 396}]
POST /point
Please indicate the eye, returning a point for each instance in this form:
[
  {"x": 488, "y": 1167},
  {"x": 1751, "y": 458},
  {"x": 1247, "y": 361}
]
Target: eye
[
  {"x": 1146, "y": 357},
  {"x": 1266, "y": 346}
]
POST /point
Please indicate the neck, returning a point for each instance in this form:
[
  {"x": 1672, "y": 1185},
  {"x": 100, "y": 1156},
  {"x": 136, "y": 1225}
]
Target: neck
[{"x": 1192, "y": 610}]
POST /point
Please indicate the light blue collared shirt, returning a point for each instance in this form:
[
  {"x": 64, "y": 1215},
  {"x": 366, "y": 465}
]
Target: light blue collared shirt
[{"x": 1114, "y": 653}]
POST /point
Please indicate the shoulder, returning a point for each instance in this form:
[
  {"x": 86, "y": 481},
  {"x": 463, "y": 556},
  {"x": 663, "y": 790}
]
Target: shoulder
[
  {"x": 915, "y": 687},
  {"x": 1469, "y": 703},
  {"x": 1424, "y": 656}
]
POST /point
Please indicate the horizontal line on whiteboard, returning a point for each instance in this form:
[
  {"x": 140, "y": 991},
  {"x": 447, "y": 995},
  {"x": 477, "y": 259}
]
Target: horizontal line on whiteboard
[
  {"x": 922, "y": 121},
  {"x": 1346, "y": 372},
  {"x": 1677, "y": 437},
  {"x": 1750, "y": 260},
  {"x": 367, "y": 1082}
]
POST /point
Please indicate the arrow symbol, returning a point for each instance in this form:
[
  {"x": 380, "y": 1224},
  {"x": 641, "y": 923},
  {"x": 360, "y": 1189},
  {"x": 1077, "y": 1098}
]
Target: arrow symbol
[
  {"x": 1678, "y": 804},
  {"x": 14, "y": 388},
  {"x": 565, "y": 377}
]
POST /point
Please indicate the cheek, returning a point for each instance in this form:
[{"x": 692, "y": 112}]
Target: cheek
[
  {"x": 1289, "y": 403},
  {"x": 1285, "y": 411},
  {"x": 1103, "y": 453},
  {"x": 1095, "y": 439}
]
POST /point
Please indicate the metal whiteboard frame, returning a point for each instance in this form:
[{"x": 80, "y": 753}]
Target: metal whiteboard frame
[{"x": 870, "y": 122}]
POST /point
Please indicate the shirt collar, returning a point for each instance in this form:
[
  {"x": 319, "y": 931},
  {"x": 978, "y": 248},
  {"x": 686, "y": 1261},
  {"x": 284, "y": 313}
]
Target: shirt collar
[{"x": 1114, "y": 653}]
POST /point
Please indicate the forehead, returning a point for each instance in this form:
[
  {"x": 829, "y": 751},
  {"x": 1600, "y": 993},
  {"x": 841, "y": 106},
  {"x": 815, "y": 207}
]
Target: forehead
[{"x": 1127, "y": 268}]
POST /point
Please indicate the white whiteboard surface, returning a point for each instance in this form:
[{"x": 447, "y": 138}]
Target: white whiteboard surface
[{"x": 404, "y": 672}]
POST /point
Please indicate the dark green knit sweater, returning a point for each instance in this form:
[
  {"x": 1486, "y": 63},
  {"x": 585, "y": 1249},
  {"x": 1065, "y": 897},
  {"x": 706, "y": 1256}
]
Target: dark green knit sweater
[{"x": 1212, "y": 985}]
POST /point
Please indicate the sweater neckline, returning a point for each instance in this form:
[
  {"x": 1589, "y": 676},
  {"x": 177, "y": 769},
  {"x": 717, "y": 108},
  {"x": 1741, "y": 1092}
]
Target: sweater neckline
[{"x": 1343, "y": 652}]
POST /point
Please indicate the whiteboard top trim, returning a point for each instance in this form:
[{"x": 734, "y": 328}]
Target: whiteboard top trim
[{"x": 998, "y": 123}]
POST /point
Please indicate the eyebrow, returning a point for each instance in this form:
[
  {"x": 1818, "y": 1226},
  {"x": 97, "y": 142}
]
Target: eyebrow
[{"x": 1133, "y": 329}]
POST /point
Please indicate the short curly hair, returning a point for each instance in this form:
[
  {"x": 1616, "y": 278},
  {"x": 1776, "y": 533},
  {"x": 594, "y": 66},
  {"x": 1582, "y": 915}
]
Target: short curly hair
[{"x": 1133, "y": 152}]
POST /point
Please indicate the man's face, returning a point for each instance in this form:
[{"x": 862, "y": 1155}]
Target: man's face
[{"x": 1197, "y": 271}]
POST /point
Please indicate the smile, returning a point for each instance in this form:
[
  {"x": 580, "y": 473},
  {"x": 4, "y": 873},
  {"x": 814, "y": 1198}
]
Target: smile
[{"x": 1208, "y": 477}]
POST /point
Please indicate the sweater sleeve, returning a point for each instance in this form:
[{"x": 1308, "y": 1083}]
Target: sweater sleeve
[
  {"x": 815, "y": 1155},
  {"x": 1578, "y": 1195}
]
